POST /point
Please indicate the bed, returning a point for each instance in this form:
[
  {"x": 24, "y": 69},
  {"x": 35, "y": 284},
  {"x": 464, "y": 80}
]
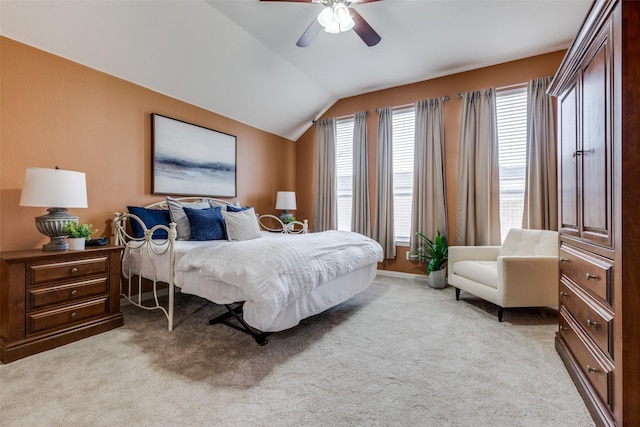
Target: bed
[{"x": 268, "y": 275}]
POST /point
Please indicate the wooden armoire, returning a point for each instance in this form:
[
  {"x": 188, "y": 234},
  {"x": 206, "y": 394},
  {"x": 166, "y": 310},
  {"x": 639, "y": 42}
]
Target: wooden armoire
[{"x": 598, "y": 92}]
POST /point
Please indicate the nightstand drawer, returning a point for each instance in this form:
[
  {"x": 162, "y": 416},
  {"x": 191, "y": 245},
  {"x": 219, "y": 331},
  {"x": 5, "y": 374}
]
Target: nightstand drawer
[
  {"x": 589, "y": 271},
  {"x": 41, "y": 297},
  {"x": 50, "y": 319},
  {"x": 595, "y": 366},
  {"x": 595, "y": 320},
  {"x": 42, "y": 273}
]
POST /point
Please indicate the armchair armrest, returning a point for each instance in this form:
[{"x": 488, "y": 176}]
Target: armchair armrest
[
  {"x": 472, "y": 253},
  {"x": 528, "y": 280}
]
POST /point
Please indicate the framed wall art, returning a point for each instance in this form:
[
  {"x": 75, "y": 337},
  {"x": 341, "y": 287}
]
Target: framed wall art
[{"x": 192, "y": 160}]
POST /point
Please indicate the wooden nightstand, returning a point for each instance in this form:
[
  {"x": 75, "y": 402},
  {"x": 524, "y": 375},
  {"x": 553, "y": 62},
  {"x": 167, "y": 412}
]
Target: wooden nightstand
[{"x": 48, "y": 299}]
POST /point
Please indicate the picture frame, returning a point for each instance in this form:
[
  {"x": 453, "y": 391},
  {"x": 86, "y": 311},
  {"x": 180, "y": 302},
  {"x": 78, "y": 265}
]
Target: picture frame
[{"x": 192, "y": 160}]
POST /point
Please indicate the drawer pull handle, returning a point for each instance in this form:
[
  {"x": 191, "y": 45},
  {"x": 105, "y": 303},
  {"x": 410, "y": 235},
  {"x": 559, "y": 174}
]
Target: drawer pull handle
[
  {"x": 74, "y": 315},
  {"x": 74, "y": 270},
  {"x": 74, "y": 292},
  {"x": 591, "y": 369},
  {"x": 591, "y": 276},
  {"x": 563, "y": 328},
  {"x": 591, "y": 323},
  {"x": 563, "y": 294},
  {"x": 564, "y": 260}
]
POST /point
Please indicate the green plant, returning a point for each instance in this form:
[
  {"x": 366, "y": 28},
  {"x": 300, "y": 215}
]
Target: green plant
[
  {"x": 74, "y": 230},
  {"x": 436, "y": 251},
  {"x": 289, "y": 220}
]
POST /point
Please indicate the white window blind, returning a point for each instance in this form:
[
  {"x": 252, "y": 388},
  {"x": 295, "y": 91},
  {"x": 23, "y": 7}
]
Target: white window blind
[
  {"x": 403, "y": 144},
  {"x": 344, "y": 171},
  {"x": 511, "y": 115}
]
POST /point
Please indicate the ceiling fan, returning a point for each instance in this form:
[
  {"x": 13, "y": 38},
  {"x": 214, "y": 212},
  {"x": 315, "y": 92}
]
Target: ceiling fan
[{"x": 338, "y": 16}]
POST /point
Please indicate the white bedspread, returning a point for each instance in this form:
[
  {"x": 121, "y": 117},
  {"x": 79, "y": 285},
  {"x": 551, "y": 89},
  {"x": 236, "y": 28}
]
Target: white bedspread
[{"x": 274, "y": 272}]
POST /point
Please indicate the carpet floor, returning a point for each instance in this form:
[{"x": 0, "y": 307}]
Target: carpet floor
[{"x": 398, "y": 354}]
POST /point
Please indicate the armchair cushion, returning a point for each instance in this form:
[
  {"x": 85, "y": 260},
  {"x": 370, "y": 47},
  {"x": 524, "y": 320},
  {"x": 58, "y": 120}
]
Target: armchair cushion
[{"x": 485, "y": 272}]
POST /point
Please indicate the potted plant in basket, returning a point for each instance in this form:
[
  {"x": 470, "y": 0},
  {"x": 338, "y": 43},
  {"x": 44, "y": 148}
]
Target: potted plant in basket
[
  {"x": 437, "y": 252},
  {"x": 77, "y": 234}
]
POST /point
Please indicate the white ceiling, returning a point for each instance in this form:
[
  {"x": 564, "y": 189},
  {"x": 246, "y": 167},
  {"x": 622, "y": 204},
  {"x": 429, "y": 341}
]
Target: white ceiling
[{"x": 238, "y": 58}]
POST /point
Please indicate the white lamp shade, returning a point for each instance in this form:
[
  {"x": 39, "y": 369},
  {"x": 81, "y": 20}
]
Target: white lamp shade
[
  {"x": 286, "y": 200},
  {"x": 54, "y": 188}
]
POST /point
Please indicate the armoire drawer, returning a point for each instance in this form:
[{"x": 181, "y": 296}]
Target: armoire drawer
[
  {"x": 596, "y": 367},
  {"x": 62, "y": 293},
  {"x": 592, "y": 272},
  {"x": 43, "y": 273},
  {"x": 594, "y": 319}
]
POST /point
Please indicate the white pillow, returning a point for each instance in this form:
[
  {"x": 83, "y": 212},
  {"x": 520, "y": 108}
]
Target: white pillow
[
  {"x": 241, "y": 225},
  {"x": 178, "y": 216}
]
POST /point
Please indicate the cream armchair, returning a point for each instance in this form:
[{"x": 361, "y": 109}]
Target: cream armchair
[{"x": 523, "y": 272}]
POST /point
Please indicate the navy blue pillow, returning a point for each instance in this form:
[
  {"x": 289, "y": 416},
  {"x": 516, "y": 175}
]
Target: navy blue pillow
[
  {"x": 206, "y": 224},
  {"x": 151, "y": 218},
  {"x": 234, "y": 208}
]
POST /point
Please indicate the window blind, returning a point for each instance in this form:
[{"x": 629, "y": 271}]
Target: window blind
[
  {"x": 344, "y": 171},
  {"x": 403, "y": 147},
  {"x": 511, "y": 115}
]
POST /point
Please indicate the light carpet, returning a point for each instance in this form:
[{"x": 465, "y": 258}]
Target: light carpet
[{"x": 399, "y": 354}]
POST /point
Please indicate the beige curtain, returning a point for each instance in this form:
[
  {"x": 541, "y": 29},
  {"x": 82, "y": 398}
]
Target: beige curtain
[
  {"x": 541, "y": 188},
  {"x": 478, "y": 203},
  {"x": 383, "y": 230},
  {"x": 429, "y": 206},
  {"x": 360, "y": 210},
  {"x": 325, "y": 209}
]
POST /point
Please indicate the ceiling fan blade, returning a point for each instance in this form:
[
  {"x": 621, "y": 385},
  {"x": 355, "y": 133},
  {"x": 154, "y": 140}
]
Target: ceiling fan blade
[
  {"x": 364, "y": 30},
  {"x": 312, "y": 31},
  {"x": 299, "y": 1}
]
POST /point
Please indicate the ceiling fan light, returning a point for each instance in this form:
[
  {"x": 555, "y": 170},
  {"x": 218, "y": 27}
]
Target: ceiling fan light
[
  {"x": 326, "y": 17},
  {"x": 341, "y": 13},
  {"x": 333, "y": 28},
  {"x": 346, "y": 26}
]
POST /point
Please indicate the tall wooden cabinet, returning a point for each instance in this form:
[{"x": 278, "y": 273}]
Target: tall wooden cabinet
[{"x": 598, "y": 91}]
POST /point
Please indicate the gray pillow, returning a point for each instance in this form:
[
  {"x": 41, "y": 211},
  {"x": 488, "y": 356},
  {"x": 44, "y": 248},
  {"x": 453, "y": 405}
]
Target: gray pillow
[
  {"x": 178, "y": 216},
  {"x": 241, "y": 225}
]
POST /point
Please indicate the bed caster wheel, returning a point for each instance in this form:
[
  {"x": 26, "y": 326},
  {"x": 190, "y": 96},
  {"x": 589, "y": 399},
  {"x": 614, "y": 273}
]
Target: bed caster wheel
[{"x": 262, "y": 341}]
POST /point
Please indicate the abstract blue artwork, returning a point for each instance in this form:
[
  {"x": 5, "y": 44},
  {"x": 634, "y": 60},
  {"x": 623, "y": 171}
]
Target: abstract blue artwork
[{"x": 192, "y": 160}]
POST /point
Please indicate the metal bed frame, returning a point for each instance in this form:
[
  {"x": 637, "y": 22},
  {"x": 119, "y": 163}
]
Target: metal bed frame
[{"x": 153, "y": 247}]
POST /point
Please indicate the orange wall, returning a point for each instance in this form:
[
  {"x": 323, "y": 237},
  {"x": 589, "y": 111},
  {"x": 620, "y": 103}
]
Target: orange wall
[
  {"x": 57, "y": 112},
  {"x": 495, "y": 76}
]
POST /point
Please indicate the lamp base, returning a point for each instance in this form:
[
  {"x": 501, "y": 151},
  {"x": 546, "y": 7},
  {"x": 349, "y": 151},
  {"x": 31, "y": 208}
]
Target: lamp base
[
  {"x": 286, "y": 216},
  {"x": 52, "y": 226}
]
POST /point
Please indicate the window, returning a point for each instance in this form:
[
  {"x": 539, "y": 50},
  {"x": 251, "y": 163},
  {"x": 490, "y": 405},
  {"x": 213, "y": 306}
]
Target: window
[
  {"x": 511, "y": 115},
  {"x": 344, "y": 172},
  {"x": 403, "y": 143}
]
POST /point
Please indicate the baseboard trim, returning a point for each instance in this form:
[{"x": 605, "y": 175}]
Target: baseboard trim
[{"x": 390, "y": 273}]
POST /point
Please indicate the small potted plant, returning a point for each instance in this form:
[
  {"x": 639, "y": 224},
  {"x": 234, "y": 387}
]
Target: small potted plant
[
  {"x": 288, "y": 222},
  {"x": 437, "y": 252},
  {"x": 78, "y": 234}
]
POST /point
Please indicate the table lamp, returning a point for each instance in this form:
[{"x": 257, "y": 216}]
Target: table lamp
[
  {"x": 286, "y": 201},
  {"x": 59, "y": 189}
]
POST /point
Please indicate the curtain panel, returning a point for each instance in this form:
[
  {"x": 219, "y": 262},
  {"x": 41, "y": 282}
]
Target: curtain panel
[
  {"x": 429, "y": 206},
  {"x": 325, "y": 208},
  {"x": 478, "y": 202},
  {"x": 383, "y": 231},
  {"x": 360, "y": 208},
  {"x": 541, "y": 185}
]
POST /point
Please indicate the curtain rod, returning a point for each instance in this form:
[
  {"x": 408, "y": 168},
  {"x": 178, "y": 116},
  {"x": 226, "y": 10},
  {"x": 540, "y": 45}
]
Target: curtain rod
[
  {"x": 398, "y": 107},
  {"x": 501, "y": 88},
  {"x": 341, "y": 117}
]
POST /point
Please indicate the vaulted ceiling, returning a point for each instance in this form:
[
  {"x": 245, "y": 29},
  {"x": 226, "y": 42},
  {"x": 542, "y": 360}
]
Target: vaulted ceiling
[{"x": 239, "y": 58}]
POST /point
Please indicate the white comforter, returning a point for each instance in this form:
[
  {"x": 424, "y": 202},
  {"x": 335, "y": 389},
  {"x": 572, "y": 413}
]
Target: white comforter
[{"x": 274, "y": 272}]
